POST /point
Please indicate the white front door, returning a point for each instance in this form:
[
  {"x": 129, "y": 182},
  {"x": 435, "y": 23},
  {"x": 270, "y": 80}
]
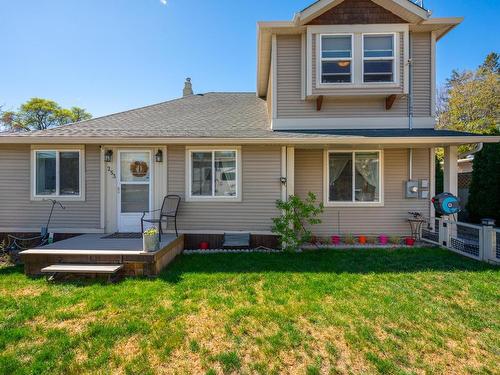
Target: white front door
[{"x": 134, "y": 188}]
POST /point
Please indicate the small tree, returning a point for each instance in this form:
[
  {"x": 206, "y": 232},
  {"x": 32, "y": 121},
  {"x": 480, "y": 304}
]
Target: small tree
[{"x": 296, "y": 215}]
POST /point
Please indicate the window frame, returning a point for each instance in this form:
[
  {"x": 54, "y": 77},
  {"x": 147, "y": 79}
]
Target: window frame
[
  {"x": 321, "y": 59},
  {"x": 394, "y": 58},
  {"x": 213, "y": 197},
  {"x": 326, "y": 180},
  {"x": 57, "y": 195}
]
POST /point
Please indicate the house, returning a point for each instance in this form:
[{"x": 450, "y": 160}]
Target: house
[{"x": 344, "y": 108}]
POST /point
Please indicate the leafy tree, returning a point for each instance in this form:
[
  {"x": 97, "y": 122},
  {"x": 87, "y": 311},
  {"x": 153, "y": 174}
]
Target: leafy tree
[
  {"x": 41, "y": 114},
  {"x": 296, "y": 214},
  {"x": 484, "y": 193},
  {"x": 439, "y": 176},
  {"x": 471, "y": 100}
]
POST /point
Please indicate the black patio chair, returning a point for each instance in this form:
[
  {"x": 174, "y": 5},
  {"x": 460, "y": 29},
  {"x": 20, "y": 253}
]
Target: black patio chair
[{"x": 169, "y": 209}]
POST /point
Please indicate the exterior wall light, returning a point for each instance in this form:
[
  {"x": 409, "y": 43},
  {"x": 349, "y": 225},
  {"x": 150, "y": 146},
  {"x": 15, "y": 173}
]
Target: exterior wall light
[
  {"x": 159, "y": 156},
  {"x": 108, "y": 156}
]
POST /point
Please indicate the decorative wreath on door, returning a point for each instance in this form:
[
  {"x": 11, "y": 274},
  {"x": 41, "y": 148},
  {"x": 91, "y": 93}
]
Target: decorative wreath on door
[{"x": 139, "y": 168}]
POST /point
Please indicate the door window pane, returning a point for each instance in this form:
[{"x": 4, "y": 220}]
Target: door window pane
[
  {"x": 367, "y": 177},
  {"x": 225, "y": 173},
  {"x": 46, "y": 172},
  {"x": 134, "y": 167},
  {"x": 134, "y": 198},
  {"x": 69, "y": 173},
  {"x": 201, "y": 174},
  {"x": 340, "y": 171}
]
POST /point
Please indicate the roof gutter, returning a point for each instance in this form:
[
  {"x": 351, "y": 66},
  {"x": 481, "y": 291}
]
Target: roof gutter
[{"x": 346, "y": 140}]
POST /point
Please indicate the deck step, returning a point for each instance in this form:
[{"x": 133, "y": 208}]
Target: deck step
[{"x": 82, "y": 268}]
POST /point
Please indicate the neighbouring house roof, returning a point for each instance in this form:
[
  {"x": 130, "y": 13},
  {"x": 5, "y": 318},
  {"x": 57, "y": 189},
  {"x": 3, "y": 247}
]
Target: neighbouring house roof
[{"x": 219, "y": 118}]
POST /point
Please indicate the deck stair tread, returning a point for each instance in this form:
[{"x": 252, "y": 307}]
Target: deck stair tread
[{"x": 82, "y": 268}]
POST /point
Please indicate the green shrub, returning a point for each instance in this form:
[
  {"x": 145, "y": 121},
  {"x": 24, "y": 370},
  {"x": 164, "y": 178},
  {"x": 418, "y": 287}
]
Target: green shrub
[
  {"x": 296, "y": 214},
  {"x": 395, "y": 240}
]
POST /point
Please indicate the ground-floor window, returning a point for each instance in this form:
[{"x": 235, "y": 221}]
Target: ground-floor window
[
  {"x": 354, "y": 176},
  {"x": 214, "y": 174},
  {"x": 57, "y": 173}
]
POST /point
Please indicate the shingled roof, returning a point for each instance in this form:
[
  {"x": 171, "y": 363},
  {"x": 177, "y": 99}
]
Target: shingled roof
[{"x": 213, "y": 117}]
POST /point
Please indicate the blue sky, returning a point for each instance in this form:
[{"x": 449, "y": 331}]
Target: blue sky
[{"x": 112, "y": 55}]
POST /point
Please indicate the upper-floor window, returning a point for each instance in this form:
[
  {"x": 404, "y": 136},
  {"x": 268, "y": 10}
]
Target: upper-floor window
[
  {"x": 336, "y": 58},
  {"x": 378, "y": 58}
]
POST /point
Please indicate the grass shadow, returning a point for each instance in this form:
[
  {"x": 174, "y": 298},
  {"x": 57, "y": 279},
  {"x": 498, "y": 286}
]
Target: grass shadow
[{"x": 355, "y": 261}]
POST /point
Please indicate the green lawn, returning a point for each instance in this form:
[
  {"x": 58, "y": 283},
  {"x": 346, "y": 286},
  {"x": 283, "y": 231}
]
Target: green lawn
[{"x": 359, "y": 311}]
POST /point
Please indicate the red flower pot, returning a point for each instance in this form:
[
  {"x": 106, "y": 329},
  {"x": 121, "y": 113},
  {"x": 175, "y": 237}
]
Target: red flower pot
[
  {"x": 362, "y": 240},
  {"x": 203, "y": 245},
  {"x": 409, "y": 241},
  {"x": 383, "y": 239},
  {"x": 336, "y": 240}
]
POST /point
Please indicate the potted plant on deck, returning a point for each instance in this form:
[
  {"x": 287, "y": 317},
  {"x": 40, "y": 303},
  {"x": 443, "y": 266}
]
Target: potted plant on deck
[{"x": 150, "y": 240}]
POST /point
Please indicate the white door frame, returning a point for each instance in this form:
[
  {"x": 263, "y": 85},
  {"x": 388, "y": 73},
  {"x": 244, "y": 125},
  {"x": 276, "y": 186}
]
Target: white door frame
[{"x": 122, "y": 227}]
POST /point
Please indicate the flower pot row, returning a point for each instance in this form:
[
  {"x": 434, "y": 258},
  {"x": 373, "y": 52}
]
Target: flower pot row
[{"x": 364, "y": 240}]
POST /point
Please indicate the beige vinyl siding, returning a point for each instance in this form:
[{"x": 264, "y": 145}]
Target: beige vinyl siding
[
  {"x": 18, "y": 211},
  {"x": 421, "y": 57},
  {"x": 290, "y": 105},
  {"x": 261, "y": 188},
  {"x": 389, "y": 219}
]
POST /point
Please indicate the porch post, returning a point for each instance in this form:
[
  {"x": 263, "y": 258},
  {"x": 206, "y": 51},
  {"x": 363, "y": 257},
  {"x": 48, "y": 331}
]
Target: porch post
[
  {"x": 287, "y": 171},
  {"x": 450, "y": 170},
  {"x": 290, "y": 171}
]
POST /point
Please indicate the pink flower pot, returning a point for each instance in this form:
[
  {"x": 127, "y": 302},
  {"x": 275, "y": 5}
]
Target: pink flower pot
[
  {"x": 383, "y": 239},
  {"x": 335, "y": 240}
]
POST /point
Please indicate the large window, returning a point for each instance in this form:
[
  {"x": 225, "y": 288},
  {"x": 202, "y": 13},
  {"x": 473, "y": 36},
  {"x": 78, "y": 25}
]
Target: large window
[
  {"x": 354, "y": 177},
  {"x": 336, "y": 58},
  {"x": 57, "y": 173},
  {"x": 378, "y": 58},
  {"x": 213, "y": 174}
]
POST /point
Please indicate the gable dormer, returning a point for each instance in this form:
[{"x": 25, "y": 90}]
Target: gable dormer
[{"x": 345, "y": 62}]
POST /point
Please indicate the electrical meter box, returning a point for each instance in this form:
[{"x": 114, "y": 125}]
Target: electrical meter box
[{"x": 411, "y": 189}]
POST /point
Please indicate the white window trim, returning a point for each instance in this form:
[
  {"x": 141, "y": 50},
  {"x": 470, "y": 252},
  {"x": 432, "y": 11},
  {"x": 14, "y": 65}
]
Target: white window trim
[
  {"x": 58, "y": 150},
  {"x": 394, "y": 59},
  {"x": 321, "y": 59},
  {"x": 191, "y": 198},
  {"x": 314, "y": 81},
  {"x": 326, "y": 180}
]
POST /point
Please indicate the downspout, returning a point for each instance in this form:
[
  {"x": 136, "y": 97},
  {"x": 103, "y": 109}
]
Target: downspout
[
  {"x": 478, "y": 147},
  {"x": 410, "y": 84},
  {"x": 410, "y": 105}
]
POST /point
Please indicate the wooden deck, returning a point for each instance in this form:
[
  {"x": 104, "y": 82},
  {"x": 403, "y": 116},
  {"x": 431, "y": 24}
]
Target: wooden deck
[{"x": 94, "y": 249}]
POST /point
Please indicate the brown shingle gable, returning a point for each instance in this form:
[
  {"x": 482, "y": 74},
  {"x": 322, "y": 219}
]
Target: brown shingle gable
[{"x": 352, "y": 12}]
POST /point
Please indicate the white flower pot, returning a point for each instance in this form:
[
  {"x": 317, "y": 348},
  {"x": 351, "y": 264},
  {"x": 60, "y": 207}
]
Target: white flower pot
[{"x": 150, "y": 243}]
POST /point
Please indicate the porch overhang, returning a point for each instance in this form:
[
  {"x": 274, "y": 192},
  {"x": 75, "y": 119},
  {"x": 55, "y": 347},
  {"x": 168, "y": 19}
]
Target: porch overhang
[{"x": 423, "y": 137}]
